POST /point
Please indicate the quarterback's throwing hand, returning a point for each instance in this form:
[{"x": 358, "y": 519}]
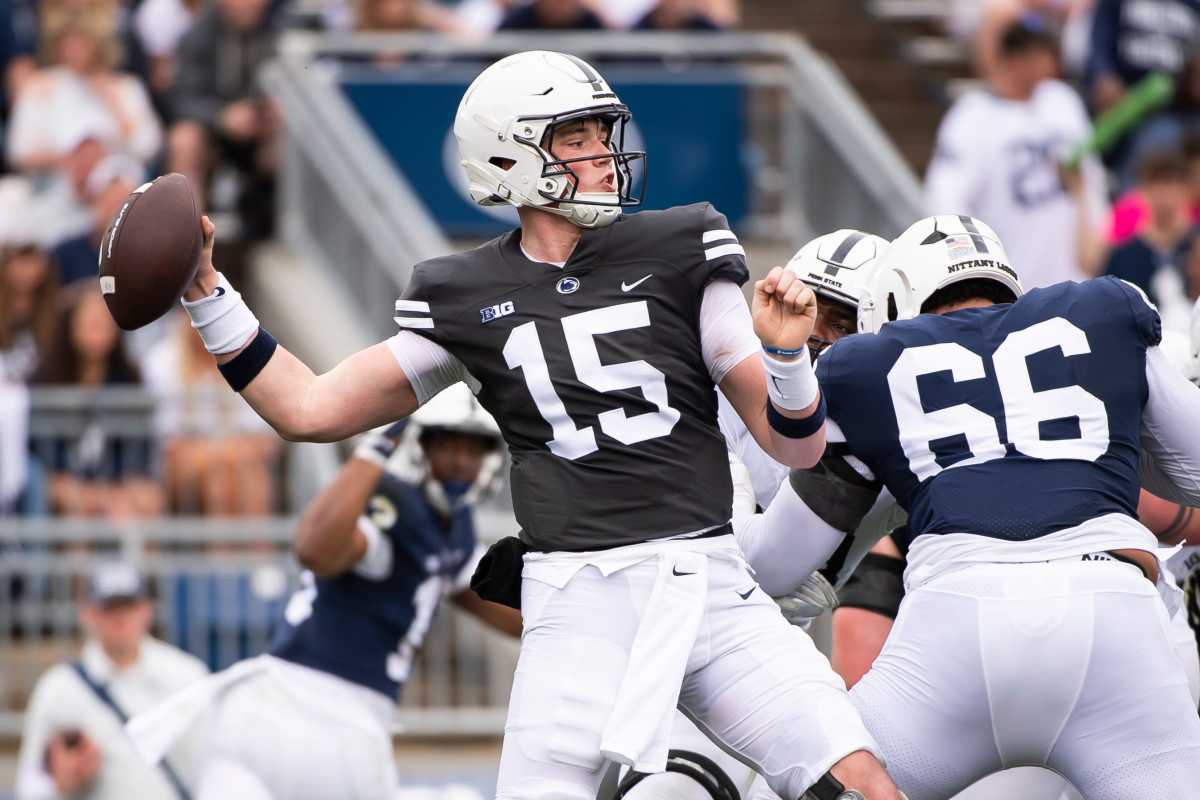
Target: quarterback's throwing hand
[
  {"x": 784, "y": 310},
  {"x": 206, "y": 273}
]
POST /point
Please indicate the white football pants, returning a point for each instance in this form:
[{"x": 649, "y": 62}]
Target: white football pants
[
  {"x": 292, "y": 733},
  {"x": 1067, "y": 665},
  {"x": 753, "y": 681}
]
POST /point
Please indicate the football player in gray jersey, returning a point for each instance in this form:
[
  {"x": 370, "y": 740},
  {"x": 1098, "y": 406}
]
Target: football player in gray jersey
[
  {"x": 838, "y": 267},
  {"x": 595, "y": 340}
]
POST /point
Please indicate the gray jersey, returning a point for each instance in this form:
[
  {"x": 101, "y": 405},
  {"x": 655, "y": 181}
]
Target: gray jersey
[{"x": 594, "y": 373}]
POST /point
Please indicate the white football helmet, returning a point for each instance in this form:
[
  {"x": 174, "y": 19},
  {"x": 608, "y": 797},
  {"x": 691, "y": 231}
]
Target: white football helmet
[
  {"x": 934, "y": 253},
  {"x": 505, "y": 116},
  {"x": 456, "y": 410},
  {"x": 840, "y": 266}
]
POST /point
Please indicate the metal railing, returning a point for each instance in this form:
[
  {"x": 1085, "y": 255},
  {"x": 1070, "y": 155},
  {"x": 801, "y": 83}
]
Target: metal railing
[
  {"x": 219, "y": 583},
  {"x": 219, "y": 588},
  {"x": 822, "y": 162}
]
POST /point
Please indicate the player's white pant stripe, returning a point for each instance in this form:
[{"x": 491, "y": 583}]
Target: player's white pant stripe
[
  {"x": 412, "y": 305},
  {"x": 723, "y": 250},
  {"x": 413, "y": 322},
  {"x": 717, "y": 236}
]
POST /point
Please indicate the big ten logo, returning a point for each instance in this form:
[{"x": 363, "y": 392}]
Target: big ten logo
[{"x": 497, "y": 311}]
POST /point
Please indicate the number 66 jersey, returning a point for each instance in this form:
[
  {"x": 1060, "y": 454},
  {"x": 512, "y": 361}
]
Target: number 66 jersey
[
  {"x": 594, "y": 373},
  {"x": 1015, "y": 422}
]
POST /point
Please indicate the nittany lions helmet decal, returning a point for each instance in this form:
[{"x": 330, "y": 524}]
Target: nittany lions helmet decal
[
  {"x": 937, "y": 252},
  {"x": 840, "y": 266},
  {"x": 504, "y": 117}
]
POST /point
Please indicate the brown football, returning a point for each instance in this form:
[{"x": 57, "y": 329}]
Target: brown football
[{"x": 149, "y": 254}]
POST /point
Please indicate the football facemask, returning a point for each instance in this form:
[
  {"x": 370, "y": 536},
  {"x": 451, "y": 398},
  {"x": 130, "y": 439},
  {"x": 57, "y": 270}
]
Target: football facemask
[{"x": 505, "y": 124}]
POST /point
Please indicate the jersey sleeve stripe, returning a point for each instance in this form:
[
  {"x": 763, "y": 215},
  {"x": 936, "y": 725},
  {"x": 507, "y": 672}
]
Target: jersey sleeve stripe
[
  {"x": 413, "y": 322},
  {"x": 724, "y": 250},
  {"x": 717, "y": 236},
  {"x": 412, "y": 305}
]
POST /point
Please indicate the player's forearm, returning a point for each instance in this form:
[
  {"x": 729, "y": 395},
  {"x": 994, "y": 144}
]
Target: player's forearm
[
  {"x": 1171, "y": 431},
  {"x": 746, "y": 388},
  {"x": 797, "y": 453},
  {"x": 326, "y": 540},
  {"x": 1172, "y": 523},
  {"x": 501, "y": 618},
  {"x": 786, "y": 543}
]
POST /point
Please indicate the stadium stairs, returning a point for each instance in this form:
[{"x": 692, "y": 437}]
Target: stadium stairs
[{"x": 893, "y": 52}]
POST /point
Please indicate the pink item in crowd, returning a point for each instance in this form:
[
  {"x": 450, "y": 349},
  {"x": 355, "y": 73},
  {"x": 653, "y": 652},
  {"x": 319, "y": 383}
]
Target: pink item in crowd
[{"x": 1129, "y": 214}]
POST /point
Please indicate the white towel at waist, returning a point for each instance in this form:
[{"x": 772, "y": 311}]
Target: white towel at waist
[{"x": 638, "y": 728}]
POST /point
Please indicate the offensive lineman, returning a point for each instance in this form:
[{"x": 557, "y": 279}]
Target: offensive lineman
[
  {"x": 596, "y": 341},
  {"x": 382, "y": 544},
  {"x": 1032, "y": 631}
]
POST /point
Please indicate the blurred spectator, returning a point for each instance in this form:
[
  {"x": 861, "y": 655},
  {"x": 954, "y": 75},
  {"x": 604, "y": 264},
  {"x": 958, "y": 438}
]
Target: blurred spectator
[
  {"x": 74, "y": 744},
  {"x": 79, "y": 96},
  {"x": 683, "y": 15},
  {"x": 97, "y": 473},
  {"x": 1159, "y": 256},
  {"x": 18, "y": 43},
  {"x": 1166, "y": 129},
  {"x": 552, "y": 15},
  {"x": 86, "y": 132},
  {"x": 1132, "y": 38},
  {"x": 28, "y": 289},
  {"x": 1130, "y": 211},
  {"x": 978, "y": 24},
  {"x": 404, "y": 15},
  {"x": 160, "y": 25},
  {"x": 997, "y": 157},
  {"x": 219, "y": 456},
  {"x": 223, "y": 117},
  {"x": 479, "y": 18}
]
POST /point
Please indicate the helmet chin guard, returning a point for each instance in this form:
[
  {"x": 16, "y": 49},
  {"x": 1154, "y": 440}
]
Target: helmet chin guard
[{"x": 506, "y": 120}]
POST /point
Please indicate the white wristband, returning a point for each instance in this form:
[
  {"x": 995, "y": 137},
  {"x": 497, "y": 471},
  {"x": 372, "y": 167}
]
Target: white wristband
[
  {"x": 791, "y": 385},
  {"x": 222, "y": 319}
]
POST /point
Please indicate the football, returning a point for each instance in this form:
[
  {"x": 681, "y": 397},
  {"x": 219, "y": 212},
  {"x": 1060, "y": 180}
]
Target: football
[{"x": 151, "y": 250}]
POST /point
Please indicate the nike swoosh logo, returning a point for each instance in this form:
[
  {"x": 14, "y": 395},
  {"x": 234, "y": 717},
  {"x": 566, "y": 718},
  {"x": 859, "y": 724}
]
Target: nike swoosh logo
[
  {"x": 628, "y": 287},
  {"x": 675, "y": 571},
  {"x": 746, "y": 596}
]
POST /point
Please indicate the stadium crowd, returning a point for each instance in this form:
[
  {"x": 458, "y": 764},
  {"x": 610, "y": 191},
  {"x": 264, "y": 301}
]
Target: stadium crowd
[{"x": 98, "y": 96}]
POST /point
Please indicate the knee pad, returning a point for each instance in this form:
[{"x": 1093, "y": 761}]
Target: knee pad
[
  {"x": 702, "y": 771},
  {"x": 876, "y": 585}
]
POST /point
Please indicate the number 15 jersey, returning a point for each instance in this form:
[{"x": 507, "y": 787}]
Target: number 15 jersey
[
  {"x": 594, "y": 373},
  {"x": 1011, "y": 422}
]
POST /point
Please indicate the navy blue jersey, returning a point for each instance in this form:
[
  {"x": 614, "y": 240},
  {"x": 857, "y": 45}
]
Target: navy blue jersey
[
  {"x": 1012, "y": 421},
  {"x": 366, "y": 629}
]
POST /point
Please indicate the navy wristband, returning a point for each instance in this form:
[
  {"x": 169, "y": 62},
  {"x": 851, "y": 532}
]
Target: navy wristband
[
  {"x": 246, "y": 365},
  {"x": 781, "y": 351},
  {"x": 797, "y": 428}
]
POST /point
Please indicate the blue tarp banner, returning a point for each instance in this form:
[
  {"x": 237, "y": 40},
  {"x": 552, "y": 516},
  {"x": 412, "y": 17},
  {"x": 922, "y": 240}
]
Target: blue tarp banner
[{"x": 691, "y": 128}]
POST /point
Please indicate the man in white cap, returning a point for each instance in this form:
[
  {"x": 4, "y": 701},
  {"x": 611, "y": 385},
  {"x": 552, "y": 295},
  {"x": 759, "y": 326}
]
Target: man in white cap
[{"x": 73, "y": 744}]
